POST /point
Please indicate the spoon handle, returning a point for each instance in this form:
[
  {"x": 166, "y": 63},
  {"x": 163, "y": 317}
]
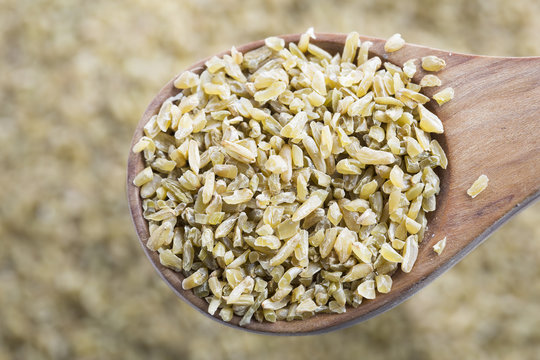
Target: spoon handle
[{"x": 492, "y": 127}]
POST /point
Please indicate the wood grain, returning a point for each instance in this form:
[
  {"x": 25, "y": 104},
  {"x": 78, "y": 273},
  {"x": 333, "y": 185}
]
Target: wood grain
[{"x": 492, "y": 127}]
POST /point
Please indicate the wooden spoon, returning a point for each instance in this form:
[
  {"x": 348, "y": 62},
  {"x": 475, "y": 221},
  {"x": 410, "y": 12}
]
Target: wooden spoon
[{"x": 492, "y": 127}]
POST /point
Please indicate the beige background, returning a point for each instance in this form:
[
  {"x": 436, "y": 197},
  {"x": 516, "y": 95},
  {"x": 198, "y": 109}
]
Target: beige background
[{"x": 74, "y": 284}]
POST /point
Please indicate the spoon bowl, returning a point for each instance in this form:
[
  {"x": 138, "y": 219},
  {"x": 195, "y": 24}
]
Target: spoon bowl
[{"x": 492, "y": 127}]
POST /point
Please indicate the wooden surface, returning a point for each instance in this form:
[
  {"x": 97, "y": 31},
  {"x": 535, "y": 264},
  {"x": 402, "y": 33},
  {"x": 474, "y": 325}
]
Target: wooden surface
[{"x": 492, "y": 127}]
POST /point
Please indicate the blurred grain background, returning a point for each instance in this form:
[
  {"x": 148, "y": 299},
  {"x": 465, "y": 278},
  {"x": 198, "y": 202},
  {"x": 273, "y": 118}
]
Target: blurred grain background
[{"x": 75, "y": 76}]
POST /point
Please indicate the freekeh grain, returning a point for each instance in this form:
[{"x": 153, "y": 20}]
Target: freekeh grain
[
  {"x": 288, "y": 181},
  {"x": 478, "y": 186}
]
